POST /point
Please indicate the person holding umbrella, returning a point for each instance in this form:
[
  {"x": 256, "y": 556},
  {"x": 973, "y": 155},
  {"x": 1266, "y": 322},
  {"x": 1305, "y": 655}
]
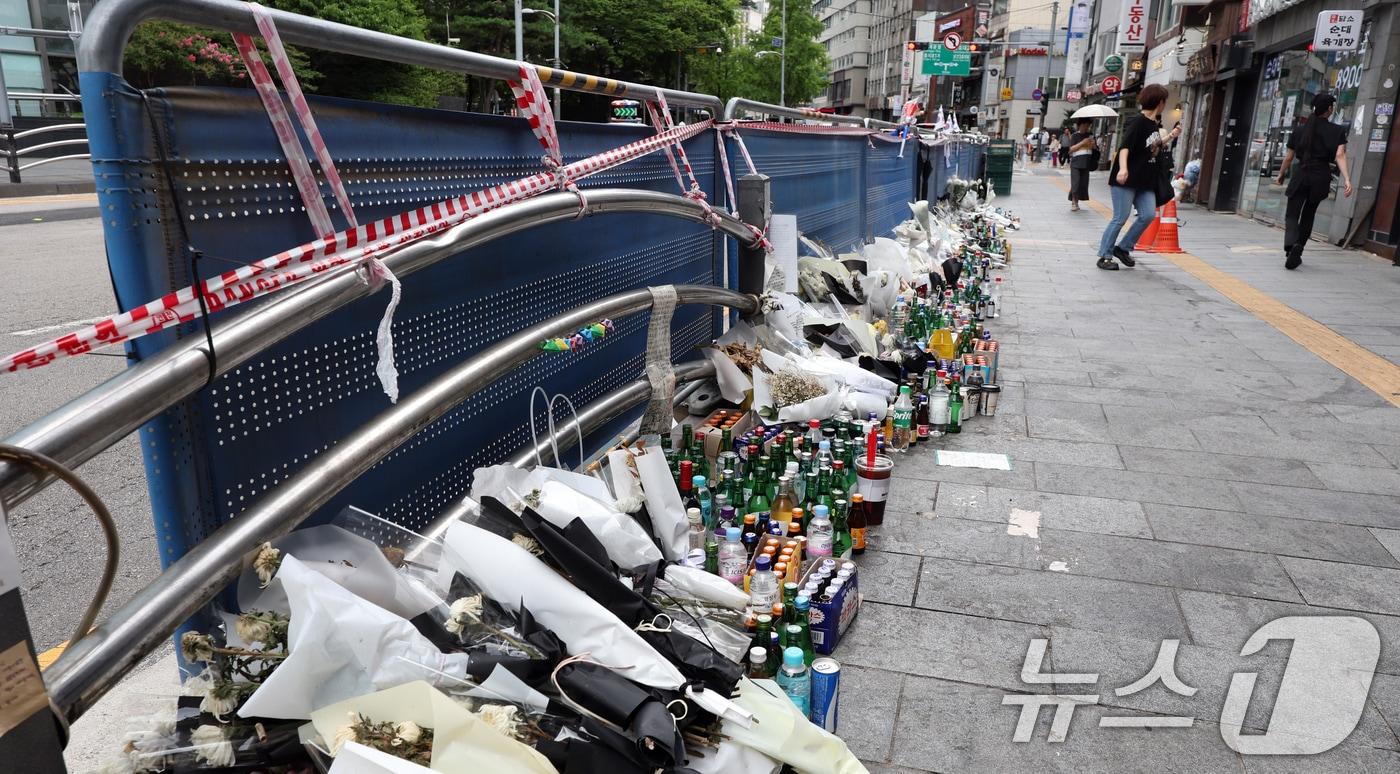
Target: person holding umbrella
[
  {"x": 1083, "y": 158},
  {"x": 1133, "y": 178},
  {"x": 1315, "y": 147}
]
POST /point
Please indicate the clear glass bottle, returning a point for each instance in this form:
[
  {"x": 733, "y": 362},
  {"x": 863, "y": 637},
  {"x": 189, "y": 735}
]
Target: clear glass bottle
[
  {"x": 820, "y": 533},
  {"x": 763, "y": 587}
]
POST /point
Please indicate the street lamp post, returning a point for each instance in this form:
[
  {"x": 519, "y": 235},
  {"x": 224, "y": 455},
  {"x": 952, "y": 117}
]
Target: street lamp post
[
  {"x": 782, "y": 62},
  {"x": 554, "y": 17}
]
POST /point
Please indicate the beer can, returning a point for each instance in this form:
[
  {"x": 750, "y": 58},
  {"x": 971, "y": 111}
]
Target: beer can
[{"x": 826, "y": 684}]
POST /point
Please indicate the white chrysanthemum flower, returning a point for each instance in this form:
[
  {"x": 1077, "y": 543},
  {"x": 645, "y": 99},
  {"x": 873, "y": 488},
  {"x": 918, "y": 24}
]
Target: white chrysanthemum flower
[
  {"x": 630, "y": 504},
  {"x": 126, "y": 764},
  {"x": 463, "y": 612},
  {"x": 409, "y": 731},
  {"x": 502, "y": 717},
  {"x": 218, "y": 703},
  {"x": 528, "y": 543},
  {"x": 266, "y": 562},
  {"x": 198, "y": 685},
  {"x": 211, "y": 746},
  {"x": 344, "y": 734},
  {"x": 196, "y": 647},
  {"x": 253, "y": 628}
]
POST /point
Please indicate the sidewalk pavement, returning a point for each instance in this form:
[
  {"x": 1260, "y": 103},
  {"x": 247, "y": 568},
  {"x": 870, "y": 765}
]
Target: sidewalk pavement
[
  {"x": 1181, "y": 469},
  {"x": 71, "y": 176}
]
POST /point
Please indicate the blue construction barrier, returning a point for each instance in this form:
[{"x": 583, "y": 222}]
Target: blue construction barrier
[
  {"x": 212, "y": 456},
  {"x": 953, "y": 158}
]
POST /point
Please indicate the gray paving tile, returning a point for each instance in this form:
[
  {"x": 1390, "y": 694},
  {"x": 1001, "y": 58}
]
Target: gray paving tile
[
  {"x": 1225, "y": 621},
  {"x": 1390, "y": 538},
  {"x": 1044, "y": 376},
  {"x": 1135, "y": 485},
  {"x": 937, "y": 644},
  {"x": 1388, "y": 416},
  {"x": 1058, "y": 407},
  {"x": 1098, "y": 455},
  {"x": 1325, "y": 449},
  {"x": 1057, "y": 511},
  {"x": 952, "y": 727},
  {"x": 1343, "y": 759},
  {"x": 888, "y": 577},
  {"x": 910, "y": 494},
  {"x": 1228, "y": 467},
  {"x": 1319, "y": 505},
  {"x": 1178, "y": 418},
  {"x": 1350, "y": 478},
  {"x": 1268, "y": 534},
  {"x": 1100, "y": 395},
  {"x": 1154, "y": 434},
  {"x": 872, "y": 767},
  {"x": 1348, "y": 586},
  {"x": 1035, "y": 597},
  {"x": 1168, "y": 564},
  {"x": 924, "y": 534},
  {"x": 1391, "y": 453},
  {"x": 1021, "y": 475},
  {"x": 1385, "y": 697},
  {"x": 1329, "y": 427},
  {"x": 868, "y": 701}
]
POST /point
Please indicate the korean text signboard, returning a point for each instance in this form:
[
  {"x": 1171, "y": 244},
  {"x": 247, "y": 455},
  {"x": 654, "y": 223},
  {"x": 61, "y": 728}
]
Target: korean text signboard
[
  {"x": 1132, "y": 29},
  {"x": 941, "y": 61},
  {"x": 1337, "y": 31}
]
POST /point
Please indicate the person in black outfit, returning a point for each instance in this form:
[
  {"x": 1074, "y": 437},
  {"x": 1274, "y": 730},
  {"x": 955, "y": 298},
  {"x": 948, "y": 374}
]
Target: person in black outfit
[
  {"x": 1315, "y": 146},
  {"x": 1083, "y": 157},
  {"x": 1133, "y": 178}
]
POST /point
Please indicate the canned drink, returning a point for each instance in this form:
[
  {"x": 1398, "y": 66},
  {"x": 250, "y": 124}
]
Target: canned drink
[{"x": 826, "y": 689}]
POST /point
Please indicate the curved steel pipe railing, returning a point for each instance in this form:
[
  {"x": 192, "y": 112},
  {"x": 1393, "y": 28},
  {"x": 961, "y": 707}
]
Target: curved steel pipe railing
[
  {"x": 89, "y": 424},
  {"x": 90, "y": 666},
  {"x": 737, "y": 106},
  {"x": 109, "y": 27}
]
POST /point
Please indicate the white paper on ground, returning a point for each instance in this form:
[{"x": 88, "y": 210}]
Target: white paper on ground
[
  {"x": 733, "y": 758},
  {"x": 513, "y": 577},
  {"x": 1023, "y": 523},
  {"x": 352, "y": 562},
  {"x": 732, "y": 381},
  {"x": 626, "y": 486},
  {"x": 962, "y": 459},
  {"x": 461, "y": 741},
  {"x": 784, "y": 733},
  {"x": 623, "y": 538},
  {"x": 782, "y": 233},
  {"x": 355, "y": 758},
  {"x": 695, "y": 583},
  {"x": 495, "y": 480},
  {"x": 341, "y": 646},
  {"x": 664, "y": 504}
]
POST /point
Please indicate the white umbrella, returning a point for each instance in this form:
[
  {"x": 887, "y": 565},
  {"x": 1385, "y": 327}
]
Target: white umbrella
[{"x": 1095, "y": 111}]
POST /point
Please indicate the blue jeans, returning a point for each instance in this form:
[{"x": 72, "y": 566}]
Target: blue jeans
[{"x": 1124, "y": 200}]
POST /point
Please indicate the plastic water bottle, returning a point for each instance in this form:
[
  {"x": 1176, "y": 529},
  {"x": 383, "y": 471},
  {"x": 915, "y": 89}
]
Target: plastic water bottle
[
  {"x": 733, "y": 557},
  {"x": 994, "y": 301},
  {"x": 795, "y": 681},
  {"x": 938, "y": 405},
  {"x": 763, "y": 586},
  {"x": 695, "y": 528},
  {"x": 819, "y": 533},
  {"x": 706, "y": 501},
  {"x": 899, "y": 316}
]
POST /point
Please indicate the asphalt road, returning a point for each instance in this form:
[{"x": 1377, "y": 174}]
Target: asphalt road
[{"x": 53, "y": 275}]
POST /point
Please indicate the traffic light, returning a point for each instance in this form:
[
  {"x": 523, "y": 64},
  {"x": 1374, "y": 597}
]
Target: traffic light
[
  {"x": 915, "y": 45},
  {"x": 972, "y": 47}
]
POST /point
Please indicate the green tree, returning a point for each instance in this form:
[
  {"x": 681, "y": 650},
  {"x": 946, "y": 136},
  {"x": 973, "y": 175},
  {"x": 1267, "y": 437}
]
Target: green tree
[
  {"x": 806, "y": 58},
  {"x": 730, "y": 72},
  {"x": 163, "y": 53}
]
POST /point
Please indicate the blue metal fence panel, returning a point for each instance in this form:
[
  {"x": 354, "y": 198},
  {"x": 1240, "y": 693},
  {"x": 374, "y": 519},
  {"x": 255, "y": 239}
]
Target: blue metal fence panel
[
  {"x": 214, "y": 455},
  {"x": 892, "y": 169},
  {"x": 819, "y": 178}
]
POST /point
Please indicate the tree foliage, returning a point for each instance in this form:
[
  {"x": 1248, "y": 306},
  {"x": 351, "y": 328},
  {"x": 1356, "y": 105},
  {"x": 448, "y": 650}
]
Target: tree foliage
[
  {"x": 806, "y": 75},
  {"x": 163, "y": 53}
]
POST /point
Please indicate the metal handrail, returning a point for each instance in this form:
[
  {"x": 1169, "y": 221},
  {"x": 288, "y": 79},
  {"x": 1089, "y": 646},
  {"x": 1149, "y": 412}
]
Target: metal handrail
[
  {"x": 738, "y": 106},
  {"x": 52, "y": 159},
  {"x": 89, "y": 667},
  {"x": 112, "y": 22},
  {"x": 54, "y": 128},
  {"x": 91, "y": 423},
  {"x": 47, "y": 145},
  {"x": 43, "y": 96}
]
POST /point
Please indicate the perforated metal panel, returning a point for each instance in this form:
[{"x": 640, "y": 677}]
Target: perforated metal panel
[
  {"x": 821, "y": 179},
  {"x": 213, "y": 456},
  {"x": 890, "y": 174},
  {"x": 963, "y": 159}
]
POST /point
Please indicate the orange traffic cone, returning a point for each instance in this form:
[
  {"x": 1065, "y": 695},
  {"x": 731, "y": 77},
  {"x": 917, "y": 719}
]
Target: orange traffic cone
[
  {"x": 1166, "y": 240},
  {"x": 1144, "y": 243}
]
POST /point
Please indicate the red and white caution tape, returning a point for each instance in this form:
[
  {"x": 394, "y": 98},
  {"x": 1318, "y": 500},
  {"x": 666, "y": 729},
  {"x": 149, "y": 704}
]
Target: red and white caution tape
[
  {"x": 534, "y": 106},
  {"x": 320, "y": 256},
  {"x": 378, "y": 273}
]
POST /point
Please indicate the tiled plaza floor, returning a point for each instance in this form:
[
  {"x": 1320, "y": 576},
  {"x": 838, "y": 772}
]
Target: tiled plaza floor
[{"x": 1194, "y": 474}]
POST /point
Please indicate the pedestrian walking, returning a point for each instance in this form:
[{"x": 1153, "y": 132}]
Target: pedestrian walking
[
  {"x": 1316, "y": 146},
  {"x": 1055, "y": 153},
  {"x": 1134, "y": 176},
  {"x": 1064, "y": 146},
  {"x": 1083, "y": 158}
]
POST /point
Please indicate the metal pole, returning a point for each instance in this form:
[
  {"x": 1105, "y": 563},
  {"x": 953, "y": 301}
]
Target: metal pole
[
  {"x": 519, "y": 34},
  {"x": 558, "y": 113},
  {"x": 6, "y": 121},
  {"x": 782, "y": 62},
  {"x": 755, "y": 207}
]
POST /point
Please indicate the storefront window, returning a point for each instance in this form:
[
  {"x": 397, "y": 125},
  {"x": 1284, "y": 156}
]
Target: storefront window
[{"x": 1290, "y": 81}]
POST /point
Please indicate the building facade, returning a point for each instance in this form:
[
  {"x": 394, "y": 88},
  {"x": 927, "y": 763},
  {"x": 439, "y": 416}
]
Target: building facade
[
  {"x": 846, "y": 28},
  {"x": 38, "y": 64}
]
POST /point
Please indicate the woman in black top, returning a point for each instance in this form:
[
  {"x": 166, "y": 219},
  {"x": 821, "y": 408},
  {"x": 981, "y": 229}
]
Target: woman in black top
[
  {"x": 1082, "y": 159},
  {"x": 1315, "y": 146},
  {"x": 1133, "y": 178}
]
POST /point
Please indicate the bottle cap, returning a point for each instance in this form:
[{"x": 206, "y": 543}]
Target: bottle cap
[
  {"x": 789, "y": 585},
  {"x": 820, "y": 511},
  {"x": 763, "y": 563},
  {"x": 792, "y": 657},
  {"x": 764, "y": 618},
  {"x": 824, "y": 445},
  {"x": 777, "y": 610},
  {"x": 692, "y": 514},
  {"x": 758, "y": 655},
  {"x": 783, "y": 479},
  {"x": 780, "y": 568},
  {"x": 814, "y": 423},
  {"x": 732, "y": 533},
  {"x": 698, "y": 481},
  {"x": 686, "y": 466},
  {"x": 750, "y": 518},
  {"x": 797, "y": 513}
]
